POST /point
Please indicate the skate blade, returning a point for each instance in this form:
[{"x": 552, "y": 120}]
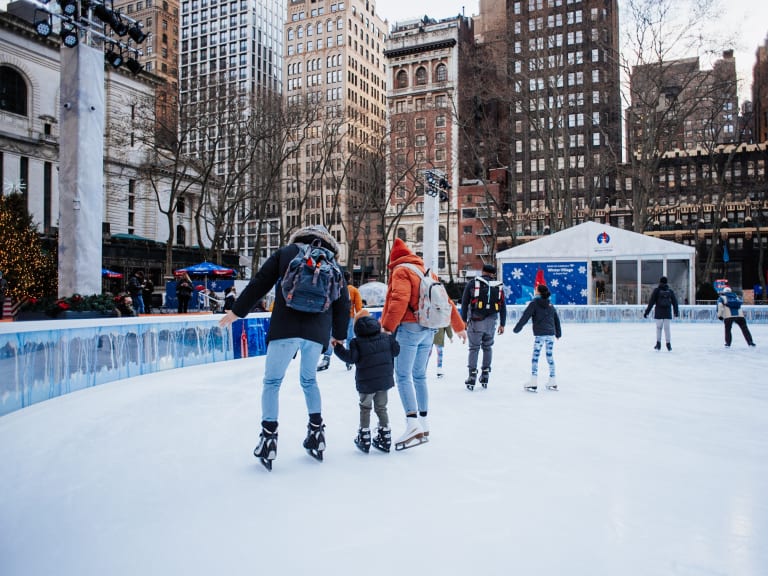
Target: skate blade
[
  {"x": 470, "y": 387},
  {"x": 363, "y": 448},
  {"x": 411, "y": 443},
  {"x": 531, "y": 389},
  {"x": 485, "y": 385},
  {"x": 316, "y": 454},
  {"x": 553, "y": 388},
  {"x": 266, "y": 463},
  {"x": 380, "y": 447}
]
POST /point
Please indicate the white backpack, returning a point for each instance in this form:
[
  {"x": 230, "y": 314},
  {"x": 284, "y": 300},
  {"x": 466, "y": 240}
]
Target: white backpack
[{"x": 434, "y": 309}]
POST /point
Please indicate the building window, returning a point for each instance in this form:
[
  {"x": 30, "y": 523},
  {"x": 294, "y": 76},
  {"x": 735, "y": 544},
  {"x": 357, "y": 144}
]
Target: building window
[
  {"x": 421, "y": 76},
  {"x": 441, "y": 73},
  {"x": 440, "y": 121},
  {"x": 13, "y": 91},
  {"x": 402, "y": 79},
  {"x": 181, "y": 235},
  {"x": 401, "y": 234}
]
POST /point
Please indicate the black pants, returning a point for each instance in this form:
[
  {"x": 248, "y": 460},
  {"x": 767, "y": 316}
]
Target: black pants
[{"x": 742, "y": 322}]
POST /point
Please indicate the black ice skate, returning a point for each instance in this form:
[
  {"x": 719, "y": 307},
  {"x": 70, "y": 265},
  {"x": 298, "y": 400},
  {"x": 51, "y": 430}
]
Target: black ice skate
[
  {"x": 658, "y": 346},
  {"x": 484, "y": 377},
  {"x": 315, "y": 441},
  {"x": 363, "y": 440},
  {"x": 470, "y": 382},
  {"x": 325, "y": 361},
  {"x": 266, "y": 449},
  {"x": 669, "y": 346},
  {"x": 383, "y": 440}
]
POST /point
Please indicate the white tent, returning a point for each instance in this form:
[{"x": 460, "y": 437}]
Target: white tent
[{"x": 595, "y": 263}]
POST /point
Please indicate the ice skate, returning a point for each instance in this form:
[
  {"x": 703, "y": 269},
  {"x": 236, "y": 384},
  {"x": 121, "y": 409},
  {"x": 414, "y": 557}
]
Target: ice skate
[
  {"x": 669, "y": 346},
  {"x": 325, "y": 362},
  {"x": 484, "y": 377},
  {"x": 383, "y": 440},
  {"x": 413, "y": 435},
  {"x": 532, "y": 384},
  {"x": 363, "y": 440},
  {"x": 315, "y": 441},
  {"x": 424, "y": 423},
  {"x": 552, "y": 384},
  {"x": 439, "y": 374},
  {"x": 470, "y": 382},
  {"x": 266, "y": 449},
  {"x": 658, "y": 346}
]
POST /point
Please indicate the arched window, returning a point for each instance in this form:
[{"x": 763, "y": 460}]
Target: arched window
[
  {"x": 420, "y": 234},
  {"x": 290, "y": 34},
  {"x": 421, "y": 76},
  {"x": 443, "y": 234},
  {"x": 181, "y": 235},
  {"x": 402, "y": 79},
  {"x": 13, "y": 91},
  {"x": 441, "y": 73},
  {"x": 401, "y": 234}
]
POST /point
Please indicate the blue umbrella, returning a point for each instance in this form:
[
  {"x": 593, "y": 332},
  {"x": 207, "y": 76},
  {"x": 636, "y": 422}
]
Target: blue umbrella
[{"x": 206, "y": 269}]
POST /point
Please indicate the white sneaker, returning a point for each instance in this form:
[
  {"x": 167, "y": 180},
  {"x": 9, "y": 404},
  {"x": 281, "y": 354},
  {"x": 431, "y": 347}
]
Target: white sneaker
[{"x": 424, "y": 423}]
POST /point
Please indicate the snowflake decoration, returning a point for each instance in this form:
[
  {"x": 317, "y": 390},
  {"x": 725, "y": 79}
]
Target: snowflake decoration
[
  {"x": 583, "y": 293},
  {"x": 569, "y": 287},
  {"x": 517, "y": 273},
  {"x": 582, "y": 269},
  {"x": 554, "y": 283},
  {"x": 14, "y": 186}
]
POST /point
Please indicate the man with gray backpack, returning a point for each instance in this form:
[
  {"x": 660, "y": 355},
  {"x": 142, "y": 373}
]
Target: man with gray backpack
[{"x": 311, "y": 301}]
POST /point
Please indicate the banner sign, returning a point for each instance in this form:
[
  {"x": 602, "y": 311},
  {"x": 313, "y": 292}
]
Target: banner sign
[{"x": 567, "y": 281}]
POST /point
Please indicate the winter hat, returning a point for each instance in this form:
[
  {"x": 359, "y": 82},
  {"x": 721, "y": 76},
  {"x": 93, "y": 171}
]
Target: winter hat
[
  {"x": 489, "y": 268},
  {"x": 361, "y": 314},
  {"x": 726, "y": 289},
  {"x": 663, "y": 280},
  {"x": 315, "y": 232},
  {"x": 543, "y": 291},
  {"x": 399, "y": 249}
]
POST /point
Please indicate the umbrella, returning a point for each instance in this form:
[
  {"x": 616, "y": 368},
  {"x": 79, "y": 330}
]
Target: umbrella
[
  {"x": 110, "y": 274},
  {"x": 373, "y": 293},
  {"x": 206, "y": 269}
]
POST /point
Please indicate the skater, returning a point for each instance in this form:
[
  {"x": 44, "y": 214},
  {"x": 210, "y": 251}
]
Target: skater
[
  {"x": 398, "y": 318},
  {"x": 291, "y": 331},
  {"x": 546, "y": 327},
  {"x": 184, "y": 292},
  {"x": 664, "y": 300},
  {"x": 373, "y": 353},
  {"x": 438, "y": 342},
  {"x": 482, "y": 304},
  {"x": 355, "y": 306},
  {"x": 730, "y": 312}
]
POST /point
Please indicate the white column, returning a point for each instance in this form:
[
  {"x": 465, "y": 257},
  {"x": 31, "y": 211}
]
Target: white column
[
  {"x": 81, "y": 170},
  {"x": 431, "y": 230}
]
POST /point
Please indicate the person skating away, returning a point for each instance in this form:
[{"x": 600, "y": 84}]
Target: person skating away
[
  {"x": 356, "y": 305},
  {"x": 373, "y": 354},
  {"x": 730, "y": 312},
  {"x": 292, "y": 331},
  {"x": 482, "y": 306},
  {"x": 438, "y": 342},
  {"x": 546, "y": 327},
  {"x": 664, "y": 302},
  {"x": 398, "y": 317}
]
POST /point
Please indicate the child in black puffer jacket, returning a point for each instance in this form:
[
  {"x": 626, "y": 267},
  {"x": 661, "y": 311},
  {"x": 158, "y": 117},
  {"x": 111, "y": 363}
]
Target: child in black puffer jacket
[{"x": 373, "y": 353}]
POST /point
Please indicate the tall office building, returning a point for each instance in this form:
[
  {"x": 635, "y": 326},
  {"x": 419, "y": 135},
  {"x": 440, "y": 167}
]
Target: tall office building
[
  {"x": 760, "y": 93},
  {"x": 231, "y": 66},
  {"x": 334, "y": 65}
]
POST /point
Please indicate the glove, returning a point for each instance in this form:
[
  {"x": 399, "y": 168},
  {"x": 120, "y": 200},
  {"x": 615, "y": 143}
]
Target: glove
[{"x": 720, "y": 318}]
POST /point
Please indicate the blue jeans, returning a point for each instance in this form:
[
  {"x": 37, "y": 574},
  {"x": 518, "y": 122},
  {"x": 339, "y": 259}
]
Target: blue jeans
[
  {"x": 411, "y": 366},
  {"x": 279, "y": 355},
  {"x": 138, "y": 303}
]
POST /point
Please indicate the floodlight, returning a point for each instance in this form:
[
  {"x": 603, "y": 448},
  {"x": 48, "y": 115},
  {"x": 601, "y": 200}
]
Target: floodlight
[
  {"x": 69, "y": 36},
  {"x": 112, "y": 18},
  {"x": 133, "y": 65},
  {"x": 136, "y": 34},
  {"x": 69, "y": 7},
  {"x": 114, "y": 58},
  {"x": 43, "y": 27}
]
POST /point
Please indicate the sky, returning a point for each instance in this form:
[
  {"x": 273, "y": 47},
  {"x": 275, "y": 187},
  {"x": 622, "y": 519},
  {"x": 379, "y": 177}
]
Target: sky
[{"x": 644, "y": 463}]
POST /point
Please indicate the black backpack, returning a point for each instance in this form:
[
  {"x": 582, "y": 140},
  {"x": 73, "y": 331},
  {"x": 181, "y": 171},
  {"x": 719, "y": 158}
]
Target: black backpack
[
  {"x": 664, "y": 298},
  {"x": 487, "y": 297}
]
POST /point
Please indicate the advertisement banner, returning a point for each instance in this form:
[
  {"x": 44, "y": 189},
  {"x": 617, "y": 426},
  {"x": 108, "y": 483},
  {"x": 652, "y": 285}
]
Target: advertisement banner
[{"x": 567, "y": 281}]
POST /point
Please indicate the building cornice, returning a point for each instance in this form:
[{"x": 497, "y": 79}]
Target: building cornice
[{"x": 420, "y": 48}]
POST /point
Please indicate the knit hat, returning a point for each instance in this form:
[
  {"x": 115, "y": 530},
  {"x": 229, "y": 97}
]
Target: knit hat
[
  {"x": 663, "y": 280},
  {"x": 315, "y": 232},
  {"x": 489, "y": 268},
  {"x": 399, "y": 249}
]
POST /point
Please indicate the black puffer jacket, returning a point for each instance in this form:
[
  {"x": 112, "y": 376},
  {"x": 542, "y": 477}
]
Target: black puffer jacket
[
  {"x": 662, "y": 311},
  {"x": 286, "y": 322},
  {"x": 546, "y": 322},
  {"x": 373, "y": 353}
]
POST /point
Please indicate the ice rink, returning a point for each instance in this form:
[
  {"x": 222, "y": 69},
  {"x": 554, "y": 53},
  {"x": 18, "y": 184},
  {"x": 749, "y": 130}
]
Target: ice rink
[{"x": 645, "y": 463}]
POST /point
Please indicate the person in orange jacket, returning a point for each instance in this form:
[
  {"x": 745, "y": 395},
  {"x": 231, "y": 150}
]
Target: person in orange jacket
[{"x": 415, "y": 341}]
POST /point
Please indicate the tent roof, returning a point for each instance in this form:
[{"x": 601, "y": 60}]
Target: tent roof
[{"x": 595, "y": 241}]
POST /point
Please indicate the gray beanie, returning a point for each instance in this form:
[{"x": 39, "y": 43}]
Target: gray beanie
[{"x": 317, "y": 231}]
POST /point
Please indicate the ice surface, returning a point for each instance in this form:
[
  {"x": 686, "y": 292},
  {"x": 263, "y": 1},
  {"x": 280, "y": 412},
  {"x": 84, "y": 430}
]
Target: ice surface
[{"x": 644, "y": 463}]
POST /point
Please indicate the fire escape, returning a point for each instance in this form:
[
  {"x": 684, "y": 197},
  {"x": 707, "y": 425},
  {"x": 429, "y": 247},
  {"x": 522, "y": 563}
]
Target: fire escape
[{"x": 486, "y": 214}]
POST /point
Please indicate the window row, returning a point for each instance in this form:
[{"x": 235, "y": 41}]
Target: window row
[{"x": 420, "y": 77}]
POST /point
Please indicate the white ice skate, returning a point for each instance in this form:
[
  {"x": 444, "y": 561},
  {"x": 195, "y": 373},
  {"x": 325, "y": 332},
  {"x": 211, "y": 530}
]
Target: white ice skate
[
  {"x": 532, "y": 384},
  {"x": 552, "y": 384},
  {"x": 413, "y": 435},
  {"x": 424, "y": 423}
]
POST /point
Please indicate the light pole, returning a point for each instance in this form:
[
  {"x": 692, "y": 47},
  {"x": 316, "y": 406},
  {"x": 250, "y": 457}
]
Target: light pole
[
  {"x": 436, "y": 188},
  {"x": 90, "y": 45}
]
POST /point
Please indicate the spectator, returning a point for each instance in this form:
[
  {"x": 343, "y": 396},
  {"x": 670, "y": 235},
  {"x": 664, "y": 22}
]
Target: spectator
[
  {"x": 230, "y": 294},
  {"x": 149, "y": 288},
  {"x": 730, "y": 312},
  {"x": 125, "y": 305},
  {"x": 184, "y": 290},
  {"x": 664, "y": 300},
  {"x": 136, "y": 290}
]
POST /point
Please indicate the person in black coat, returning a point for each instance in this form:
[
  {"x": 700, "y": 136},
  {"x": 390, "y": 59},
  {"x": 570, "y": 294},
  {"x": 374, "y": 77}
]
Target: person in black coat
[
  {"x": 664, "y": 301},
  {"x": 546, "y": 327},
  {"x": 291, "y": 331},
  {"x": 373, "y": 354}
]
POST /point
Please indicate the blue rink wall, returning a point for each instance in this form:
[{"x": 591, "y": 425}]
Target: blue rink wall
[{"x": 40, "y": 360}]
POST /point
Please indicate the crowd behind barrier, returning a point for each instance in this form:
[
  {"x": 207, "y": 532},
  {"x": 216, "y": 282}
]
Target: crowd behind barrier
[{"x": 40, "y": 360}]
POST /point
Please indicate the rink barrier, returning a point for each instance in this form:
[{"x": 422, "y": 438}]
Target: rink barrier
[{"x": 40, "y": 360}]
